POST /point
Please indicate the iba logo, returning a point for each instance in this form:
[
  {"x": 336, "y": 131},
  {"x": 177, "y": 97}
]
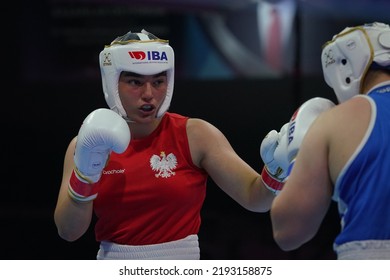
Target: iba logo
[
  {"x": 291, "y": 128},
  {"x": 149, "y": 55}
]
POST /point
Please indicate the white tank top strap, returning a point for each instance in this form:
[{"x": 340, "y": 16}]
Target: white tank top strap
[{"x": 182, "y": 249}]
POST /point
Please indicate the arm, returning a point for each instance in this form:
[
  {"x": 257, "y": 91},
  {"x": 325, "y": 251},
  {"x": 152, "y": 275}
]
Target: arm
[
  {"x": 298, "y": 210},
  {"x": 211, "y": 150},
  {"x": 102, "y": 131},
  {"x": 279, "y": 149},
  {"x": 71, "y": 218}
]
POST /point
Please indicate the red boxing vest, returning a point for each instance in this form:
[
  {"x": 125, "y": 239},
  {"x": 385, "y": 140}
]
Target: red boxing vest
[{"x": 152, "y": 193}]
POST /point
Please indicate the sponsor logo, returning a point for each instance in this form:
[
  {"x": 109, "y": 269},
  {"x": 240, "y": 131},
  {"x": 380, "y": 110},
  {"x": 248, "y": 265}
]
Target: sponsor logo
[
  {"x": 114, "y": 171},
  {"x": 291, "y": 127},
  {"x": 149, "y": 56},
  {"x": 137, "y": 55},
  {"x": 328, "y": 58},
  {"x": 107, "y": 59}
]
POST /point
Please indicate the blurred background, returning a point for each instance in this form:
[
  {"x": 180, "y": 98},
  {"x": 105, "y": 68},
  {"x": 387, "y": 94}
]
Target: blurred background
[{"x": 223, "y": 74}]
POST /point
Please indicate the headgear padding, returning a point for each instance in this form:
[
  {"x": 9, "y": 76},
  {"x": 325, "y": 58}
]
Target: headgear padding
[
  {"x": 141, "y": 53},
  {"x": 347, "y": 58}
]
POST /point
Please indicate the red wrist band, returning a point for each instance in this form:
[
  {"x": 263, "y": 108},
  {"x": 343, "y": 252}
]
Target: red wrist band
[
  {"x": 81, "y": 191},
  {"x": 271, "y": 182}
]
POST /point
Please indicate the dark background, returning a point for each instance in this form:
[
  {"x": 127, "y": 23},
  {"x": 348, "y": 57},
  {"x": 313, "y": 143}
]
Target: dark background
[{"x": 52, "y": 81}]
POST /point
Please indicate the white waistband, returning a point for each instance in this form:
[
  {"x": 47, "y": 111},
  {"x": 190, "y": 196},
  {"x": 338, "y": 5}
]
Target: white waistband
[
  {"x": 364, "y": 250},
  {"x": 183, "y": 249}
]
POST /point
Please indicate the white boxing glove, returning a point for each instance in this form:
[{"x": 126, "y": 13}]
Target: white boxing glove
[
  {"x": 102, "y": 131},
  {"x": 278, "y": 153},
  {"x": 301, "y": 120},
  {"x": 273, "y": 152}
]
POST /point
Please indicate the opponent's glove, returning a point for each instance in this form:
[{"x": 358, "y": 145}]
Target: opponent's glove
[
  {"x": 273, "y": 152},
  {"x": 279, "y": 156},
  {"x": 102, "y": 131},
  {"x": 300, "y": 122}
]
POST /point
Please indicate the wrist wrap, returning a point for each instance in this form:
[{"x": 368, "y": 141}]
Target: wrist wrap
[
  {"x": 80, "y": 190},
  {"x": 273, "y": 184}
]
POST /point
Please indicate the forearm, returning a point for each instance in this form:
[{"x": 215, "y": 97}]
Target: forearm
[
  {"x": 248, "y": 190},
  {"x": 102, "y": 131},
  {"x": 72, "y": 218},
  {"x": 260, "y": 198}
]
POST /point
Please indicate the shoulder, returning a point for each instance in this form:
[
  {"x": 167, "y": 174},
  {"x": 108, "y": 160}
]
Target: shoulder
[
  {"x": 360, "y": 101},
  {"x": 342, "y": 125},
  {"x": 173, "y": 121},
  {"x": 339, "y": 131},
  {"x": 201, "y": 128},
  {"x": 353, "y": 110},
  {"x": 204, "y": 139}
]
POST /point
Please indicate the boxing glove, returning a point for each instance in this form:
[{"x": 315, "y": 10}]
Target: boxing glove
[
  {"x": 278, "y": 153},
  {"x": 101, "y": 132},
  {"x": 273, "y": 152},
  {"x": 300, "y": 122}
]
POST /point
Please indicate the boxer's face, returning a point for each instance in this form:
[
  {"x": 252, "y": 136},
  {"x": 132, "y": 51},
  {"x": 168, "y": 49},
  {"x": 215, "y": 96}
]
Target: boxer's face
[{"x": 142, "y": 95}]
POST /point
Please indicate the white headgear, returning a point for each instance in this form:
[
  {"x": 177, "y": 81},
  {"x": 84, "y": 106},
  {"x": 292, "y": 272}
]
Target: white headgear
[
  {"x": 141, "y": 53},
  {"x": 347, "y": 58}
]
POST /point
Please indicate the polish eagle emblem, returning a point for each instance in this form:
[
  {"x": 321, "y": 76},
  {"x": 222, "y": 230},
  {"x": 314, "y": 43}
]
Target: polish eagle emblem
[{"x": 163, "y": 164}]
